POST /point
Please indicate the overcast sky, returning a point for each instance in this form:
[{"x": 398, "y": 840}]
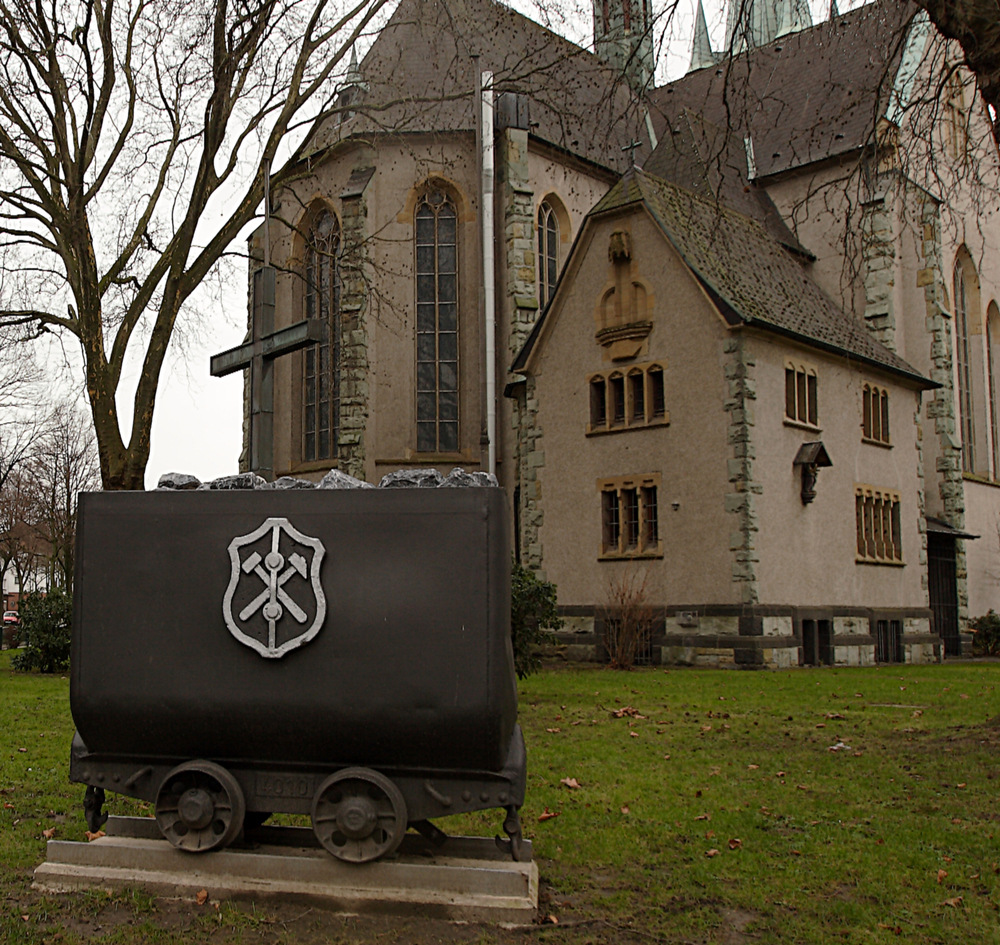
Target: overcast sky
[{"x": 197, "y": 425}]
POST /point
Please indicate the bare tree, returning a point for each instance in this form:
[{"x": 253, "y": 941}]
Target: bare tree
[
  {"x": 135, "y": 139},
  {"x": 19, "y": 541},
  {"x": 63, "y": 465},
  {"x": 975, "y": 24}
]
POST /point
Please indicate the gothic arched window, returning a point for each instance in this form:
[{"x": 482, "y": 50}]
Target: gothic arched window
[
  {"x": 321, "y": 373},
  {"x": 963, "y": 361},
  {"x": 992, "y": 368},
  {"x": 548, "y": 244},
  {"x": 437, "y": 323}
]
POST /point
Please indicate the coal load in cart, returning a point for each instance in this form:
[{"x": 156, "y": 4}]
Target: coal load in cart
[{"x": 338, "y": 653}]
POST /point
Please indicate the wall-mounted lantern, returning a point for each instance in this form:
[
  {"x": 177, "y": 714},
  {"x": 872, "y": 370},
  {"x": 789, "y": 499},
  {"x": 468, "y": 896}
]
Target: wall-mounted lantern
[{"x": 810, "y": 457}]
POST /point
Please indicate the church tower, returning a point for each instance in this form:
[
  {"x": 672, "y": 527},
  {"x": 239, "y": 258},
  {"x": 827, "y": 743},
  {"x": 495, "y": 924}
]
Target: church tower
[{"x": 623, "y": 38}]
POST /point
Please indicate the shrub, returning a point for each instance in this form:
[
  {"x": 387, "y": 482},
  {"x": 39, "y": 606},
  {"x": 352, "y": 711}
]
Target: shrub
[
  {"x": 628, "y": 619},
  {"x": 533, "y": 613},
  {"x": 46, "y": 621},
  {"x": 986, "y": 641}
]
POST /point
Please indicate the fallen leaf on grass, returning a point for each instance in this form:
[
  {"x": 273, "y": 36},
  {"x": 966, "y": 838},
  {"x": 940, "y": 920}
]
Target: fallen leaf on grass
[
  {"x": 795, "y": 852},
  {"x": 8, "y": 806},
  {"x": 752, "y": 767},
  {"x": 706, "y": 728},
  {"x": 625, "y": 809},
  {"x": 960, "y": 786},
  {"x": 24, "y": 918},
  {"x": 571, "y": 783},
  {"x": 709, "y": 834},
  {"x": 895, "y": 929},
  {"x": 801, "y": 787},
  {"x": 202, "y": 897},
  {"x": 780, "y": 774},
  {"x": 941, "y": 874},
  {"x": 547, "y": 814},
  {"x": 50, "y": 833},
  {"x": 634, "y": 734},
  {"x": 954, "y": 903},
  {"x": 94, "y": 836},
  {"x": 553, "y": 731},
  {"x": 704, "y": 817},
  {"x": 956, "y": 820},
  {"x": 22, "y": 749},
  {"x": 712, "y": 852},
  {"x": 551, "y": 920},
  {"x": 735, "y": 844},
  {"x": 962, "y": 695},
  {"x": 840, "y": 746},
  {"x": 629, "y": 711}
]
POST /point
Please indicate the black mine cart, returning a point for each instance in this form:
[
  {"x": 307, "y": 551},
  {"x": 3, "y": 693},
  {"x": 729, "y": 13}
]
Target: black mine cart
[{"x": 339, "y": 653}]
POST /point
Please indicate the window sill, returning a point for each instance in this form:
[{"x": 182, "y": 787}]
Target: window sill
[
  {"x": 870, "y": 442},
  {"x": 313, "y": 465},
  {"x": 878, "y": 561},
  {"x": 800, "y": 425},
  {"x": 631, "y": 555},
  {"x": 663, "y": 421},
  {"x": 983, "y": 480}
]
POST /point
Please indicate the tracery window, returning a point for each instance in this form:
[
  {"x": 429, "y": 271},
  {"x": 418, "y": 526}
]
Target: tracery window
[
  {"x": 992, "y": 367},
  {"x": 548, "y": 246},
  {"x": 955, "y": 117},
  {"x": 321, "y": 369},
  {"x": 629, "y": 402},
  {"x": 437, "y": 323},
  {"x": 878, "y": 524},
  {"x": 963, "y": 365}
]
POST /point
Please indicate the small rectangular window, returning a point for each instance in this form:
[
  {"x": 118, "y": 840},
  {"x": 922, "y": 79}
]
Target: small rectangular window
[
  {"x": 637, "y": 396},
  {"x": 630, "y": 517},
  {"x": 657, "y": 395},
  {"x": 610, "y": 521},
  {"x": 875, "y": 414},
  {"x": 878, "y": 522},
  {"x": 650, "y": 522},
  {"x": 617, "y": 385},
  {"x": 630, "y": 507},
  {"x": 598, "y": 403}
]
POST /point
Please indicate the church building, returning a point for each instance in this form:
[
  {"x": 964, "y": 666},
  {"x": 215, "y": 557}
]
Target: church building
[{"x": 730, "y": 338}]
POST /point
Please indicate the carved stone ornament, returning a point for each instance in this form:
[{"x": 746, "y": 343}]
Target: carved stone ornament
[
  {"x": 275, "y": 602},
  {"x": 620, "y": 246}
]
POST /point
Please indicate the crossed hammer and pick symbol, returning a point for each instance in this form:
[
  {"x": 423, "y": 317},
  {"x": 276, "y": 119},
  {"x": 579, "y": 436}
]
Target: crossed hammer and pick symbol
[{"x": 270, "y": 600}]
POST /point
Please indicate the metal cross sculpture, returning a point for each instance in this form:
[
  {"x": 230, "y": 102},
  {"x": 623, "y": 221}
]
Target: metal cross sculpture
[{"x": 258, "y": 354}]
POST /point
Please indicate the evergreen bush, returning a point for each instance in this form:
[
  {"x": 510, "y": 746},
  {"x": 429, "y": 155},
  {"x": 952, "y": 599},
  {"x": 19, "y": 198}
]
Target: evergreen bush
[
  {"x": 986, "y": 641},
  {"x": 533, "y": 613},
  {"x": 46, "y": 621}
]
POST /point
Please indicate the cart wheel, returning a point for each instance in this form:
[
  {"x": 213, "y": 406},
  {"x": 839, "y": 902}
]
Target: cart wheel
[
  {"x": 359, "y": 815},
  {"x": 200, "y": 807}
]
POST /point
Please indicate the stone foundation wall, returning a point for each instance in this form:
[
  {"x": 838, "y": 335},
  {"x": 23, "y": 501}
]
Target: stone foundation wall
[{"x": 748, "y": 639}]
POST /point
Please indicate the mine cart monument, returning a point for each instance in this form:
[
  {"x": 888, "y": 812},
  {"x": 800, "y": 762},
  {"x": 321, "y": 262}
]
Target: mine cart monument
[{"x": 334, "y": 650}]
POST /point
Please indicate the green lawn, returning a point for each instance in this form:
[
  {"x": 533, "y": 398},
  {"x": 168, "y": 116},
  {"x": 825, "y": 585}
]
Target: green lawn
[{"x": 711, "y": 807}]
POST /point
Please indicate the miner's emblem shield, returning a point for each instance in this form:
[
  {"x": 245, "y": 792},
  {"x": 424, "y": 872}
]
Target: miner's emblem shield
[{"x": 275, "y": 602}]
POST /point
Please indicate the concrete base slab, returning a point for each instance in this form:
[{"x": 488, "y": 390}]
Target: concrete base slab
[{"x": 467, "y": 878}]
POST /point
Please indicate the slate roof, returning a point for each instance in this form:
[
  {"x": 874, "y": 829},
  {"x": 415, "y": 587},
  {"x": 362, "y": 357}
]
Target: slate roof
[
  {"x": 750, "y": 277},
  {"x": 420, "y": 77},
  {"x": 702, "y": 158},
  {"x": 807, "y": 96}
]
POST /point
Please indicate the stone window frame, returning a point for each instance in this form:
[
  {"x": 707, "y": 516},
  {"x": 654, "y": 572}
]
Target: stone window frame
[
  {"x": 621, "y": 387},
  {"x": 801, "y": 395},
  {"x": 878, "y": 525},
  {"x": 447, "y": 430},
  {"x": 629, "y": 509},
  {"x": 313, "y": 373},
  {"x": 875, "y": 414}
]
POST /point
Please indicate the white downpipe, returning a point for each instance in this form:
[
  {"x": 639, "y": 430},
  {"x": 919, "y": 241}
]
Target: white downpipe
[{"x": 489, "y": 266}]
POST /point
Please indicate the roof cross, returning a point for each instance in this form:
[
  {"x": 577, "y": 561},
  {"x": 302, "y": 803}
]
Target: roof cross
[{"x": 631, "y": 146}]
